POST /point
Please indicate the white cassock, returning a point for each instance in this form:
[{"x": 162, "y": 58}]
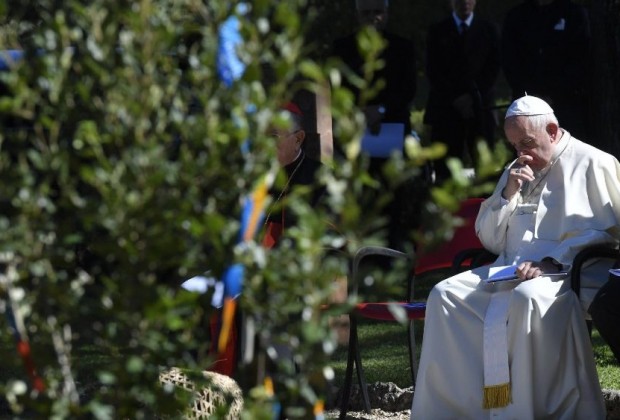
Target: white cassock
[{"x": 522, "y": 348}]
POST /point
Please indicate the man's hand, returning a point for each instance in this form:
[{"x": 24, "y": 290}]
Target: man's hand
[
  {"x": 519, "y": 173},
  {"x": 528, "y": 270}
]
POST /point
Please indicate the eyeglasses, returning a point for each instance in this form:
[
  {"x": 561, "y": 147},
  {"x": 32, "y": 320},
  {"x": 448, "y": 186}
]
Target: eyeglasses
[{"x": 279, "y": 136}]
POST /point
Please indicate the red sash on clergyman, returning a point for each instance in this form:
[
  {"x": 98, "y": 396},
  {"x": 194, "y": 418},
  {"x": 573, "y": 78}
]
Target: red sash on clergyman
[
  {"x": 273, "y": 232},
  {"x": 226, "y": 361}
]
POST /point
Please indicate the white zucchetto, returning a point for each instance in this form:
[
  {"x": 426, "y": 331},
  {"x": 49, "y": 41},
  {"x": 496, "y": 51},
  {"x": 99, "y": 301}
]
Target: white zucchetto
[{"x": 528, "y": 105}]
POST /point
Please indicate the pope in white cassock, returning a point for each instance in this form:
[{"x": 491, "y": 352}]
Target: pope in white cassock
[{"x": 520, "y": 349}]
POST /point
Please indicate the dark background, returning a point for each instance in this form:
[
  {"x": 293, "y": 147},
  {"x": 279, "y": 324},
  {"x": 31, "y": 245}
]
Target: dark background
[
  {"x": 411, "y": 19},
  {"x": 408, "y": 18}
]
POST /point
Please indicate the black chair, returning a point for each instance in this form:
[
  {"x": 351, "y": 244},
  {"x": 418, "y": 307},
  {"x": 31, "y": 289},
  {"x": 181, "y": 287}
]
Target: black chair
[
  {"x": 464, "y": 251},
  {"x": 466, "y": 259},
  {"x": 585, "y": 256},
  {"x": 378, "y": 311}
]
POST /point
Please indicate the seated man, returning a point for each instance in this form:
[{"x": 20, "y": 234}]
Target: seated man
[
  {"x": 298, "y": 169},
  {"x": 605, "y": 312},
  {"x": 520, "y": 349}
]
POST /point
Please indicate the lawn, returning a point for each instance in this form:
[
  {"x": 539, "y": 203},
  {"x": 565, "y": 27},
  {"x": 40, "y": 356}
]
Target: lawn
[{"x": 385, "y": 355}]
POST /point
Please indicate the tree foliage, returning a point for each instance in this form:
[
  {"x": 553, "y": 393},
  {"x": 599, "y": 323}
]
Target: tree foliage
[{"x": 125, "y": 159}]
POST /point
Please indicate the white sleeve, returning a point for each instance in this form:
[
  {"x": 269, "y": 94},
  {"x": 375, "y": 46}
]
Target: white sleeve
[{"x": 492, "y": 220}]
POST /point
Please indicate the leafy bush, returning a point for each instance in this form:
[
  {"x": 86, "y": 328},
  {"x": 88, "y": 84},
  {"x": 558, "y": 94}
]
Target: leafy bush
[{"x": 125, "y": 157}]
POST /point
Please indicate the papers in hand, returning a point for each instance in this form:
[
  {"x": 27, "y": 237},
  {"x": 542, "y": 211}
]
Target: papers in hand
[
  {"x": 505, "y": 274},
  {"x": 614, "y": 272},
  {"x": 510, "y": 274}
]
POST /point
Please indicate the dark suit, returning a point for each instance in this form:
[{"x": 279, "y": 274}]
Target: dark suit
[
  {"x": 461, "y": 64},
  {"x": 399, "y": 74},
  {"x": 545, "y": 52},
  {"x": 301, "y": 172}
]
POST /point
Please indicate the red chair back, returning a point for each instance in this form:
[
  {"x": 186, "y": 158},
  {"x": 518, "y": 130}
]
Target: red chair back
[{"x": 464, "y": 238}]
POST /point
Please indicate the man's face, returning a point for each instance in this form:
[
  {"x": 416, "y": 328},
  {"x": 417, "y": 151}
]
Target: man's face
[
  {"x": 539, "y": 144},
  {"x": 372, "y": 12},
  {"x": 289, "y": 143},
  {"x": 463, "y": 8}
]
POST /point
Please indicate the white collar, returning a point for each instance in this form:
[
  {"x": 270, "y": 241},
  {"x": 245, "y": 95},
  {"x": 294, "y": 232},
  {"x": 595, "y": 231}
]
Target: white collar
[{"x": 458, "y": 20}]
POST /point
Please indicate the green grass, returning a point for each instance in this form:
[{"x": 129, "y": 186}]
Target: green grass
[
  {"x": 384, "y": 353},
  {"x": 385, "y": 356},
  {"x": 606, "y": 364}
]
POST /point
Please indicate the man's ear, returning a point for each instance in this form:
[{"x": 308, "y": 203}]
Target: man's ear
[
  {"x": 553, "y": 131},
  {"x": 300, "y": 136}
]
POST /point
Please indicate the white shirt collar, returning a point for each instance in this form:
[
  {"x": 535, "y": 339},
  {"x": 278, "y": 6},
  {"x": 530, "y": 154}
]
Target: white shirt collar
[{"x": 458, "y": 20}]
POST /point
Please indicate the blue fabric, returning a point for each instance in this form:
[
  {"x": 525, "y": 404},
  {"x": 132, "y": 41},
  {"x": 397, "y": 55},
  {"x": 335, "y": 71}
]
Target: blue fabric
[
  {"x": 229, "y": 66},
  {"x": 9, "y": 57},
  {"x": 233, "y": 279}
]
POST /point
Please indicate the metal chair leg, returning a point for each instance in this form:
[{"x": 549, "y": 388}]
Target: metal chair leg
[
  {"x": 361, "y": 380},
  {"x": 412, "y": 351},
  {"x": 348, "y": 377}
]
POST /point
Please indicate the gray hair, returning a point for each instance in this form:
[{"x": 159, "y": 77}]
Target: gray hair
[{"x": 540, "y": 122}]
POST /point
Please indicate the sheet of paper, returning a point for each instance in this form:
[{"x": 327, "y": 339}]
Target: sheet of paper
[
  {"x": 505, "y": 274},
  {"x": 391, "y": 138},
  {"x": 509, "y": 274}
]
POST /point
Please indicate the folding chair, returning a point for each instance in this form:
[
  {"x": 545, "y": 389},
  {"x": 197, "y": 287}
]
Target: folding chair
[
  {"x": 588, "y": 254},
  {"x": 581, "y": 260},
  {"x": 463, "y": 251}
]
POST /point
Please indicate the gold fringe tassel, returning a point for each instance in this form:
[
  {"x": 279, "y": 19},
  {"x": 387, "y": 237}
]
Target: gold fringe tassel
[{"x": 497, "y": 396}]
